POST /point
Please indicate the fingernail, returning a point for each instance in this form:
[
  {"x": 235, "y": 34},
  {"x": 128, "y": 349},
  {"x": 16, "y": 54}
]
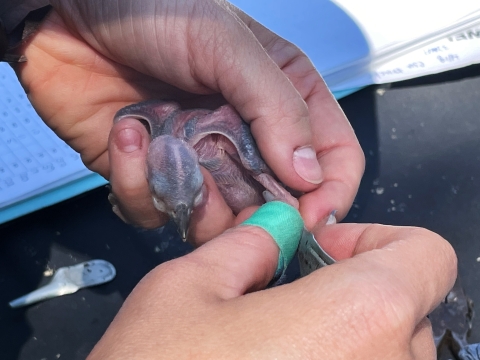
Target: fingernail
[
  {"x": 306, "y": 165},
  {"x": 128, "y": 140},
  {"x": 331, "y": 219}
]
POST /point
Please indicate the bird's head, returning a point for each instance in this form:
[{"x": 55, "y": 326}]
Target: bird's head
[{"x": 175, "y": 179}]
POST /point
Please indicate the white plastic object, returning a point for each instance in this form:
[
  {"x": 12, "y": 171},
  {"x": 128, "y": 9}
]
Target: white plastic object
[{"x": 68, "y": 280}]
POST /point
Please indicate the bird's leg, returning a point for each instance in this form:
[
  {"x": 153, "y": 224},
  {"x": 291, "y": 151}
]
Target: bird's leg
[{"x": 275, "y": 191}]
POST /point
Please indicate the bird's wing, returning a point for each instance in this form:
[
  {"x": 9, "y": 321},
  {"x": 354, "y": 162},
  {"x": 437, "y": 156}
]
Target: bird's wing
[
  {"x": 227, "y": 122},
  {"x": 157, "y": 115},
  {"x": 162, "y": 117}
]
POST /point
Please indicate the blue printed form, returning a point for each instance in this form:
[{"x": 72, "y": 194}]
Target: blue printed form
[{"x": 36, "y": 167}]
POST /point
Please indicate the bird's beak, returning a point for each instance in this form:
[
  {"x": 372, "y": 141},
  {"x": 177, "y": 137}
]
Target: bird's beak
[{"x": 181, "y": 217}]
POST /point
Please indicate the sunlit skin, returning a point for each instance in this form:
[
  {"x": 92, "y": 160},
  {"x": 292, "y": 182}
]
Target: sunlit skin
[
  {"x": 371, "y": 304},
  {"x": 280, "y": 94}
]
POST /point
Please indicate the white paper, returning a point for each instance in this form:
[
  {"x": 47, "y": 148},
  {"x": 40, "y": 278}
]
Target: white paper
[
  {"x": 387, "y": 21},
  {"x": 355, "y": 43},
  {"x": 411, "y": 38},
  {"x": 455, "y": 51}
]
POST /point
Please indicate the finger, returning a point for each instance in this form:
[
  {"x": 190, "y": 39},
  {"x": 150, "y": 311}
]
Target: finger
[
  {"x": 340, "y": 157},
  {"x": 213, "y": 217},
  {"x": 336, "y": 193},
  {"x": 206, "y": 49},
  {"x": 422, "y": 345},
  {"x": 244, "y": 258},
  {"x": 339, "y": 153},
  {"x": 399, "y": 254},
  {"x": 189, "y": 292},
  {"x": 128, "y": 146}
]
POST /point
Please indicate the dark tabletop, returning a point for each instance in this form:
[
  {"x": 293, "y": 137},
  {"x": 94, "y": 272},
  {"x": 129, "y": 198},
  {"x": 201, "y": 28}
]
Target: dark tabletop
[{"x": 420, "y": 139}]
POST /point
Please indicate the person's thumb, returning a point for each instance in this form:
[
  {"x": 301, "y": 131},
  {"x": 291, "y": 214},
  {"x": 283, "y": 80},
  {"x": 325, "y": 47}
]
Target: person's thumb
[{"x": 243, "y": 259}]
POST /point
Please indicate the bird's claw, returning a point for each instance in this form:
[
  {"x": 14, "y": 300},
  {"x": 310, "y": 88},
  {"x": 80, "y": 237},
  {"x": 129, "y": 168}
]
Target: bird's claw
[{"x": 112, "y": 199}]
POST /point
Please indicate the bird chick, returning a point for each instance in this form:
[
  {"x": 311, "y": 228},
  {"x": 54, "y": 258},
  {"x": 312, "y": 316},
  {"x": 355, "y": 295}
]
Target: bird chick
[
  {"x": 220, "y": 141},
  {"x": 175, "y": 179}
]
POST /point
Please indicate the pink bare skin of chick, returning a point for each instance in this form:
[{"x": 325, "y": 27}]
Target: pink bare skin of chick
[{"x": 220, "y": 141}]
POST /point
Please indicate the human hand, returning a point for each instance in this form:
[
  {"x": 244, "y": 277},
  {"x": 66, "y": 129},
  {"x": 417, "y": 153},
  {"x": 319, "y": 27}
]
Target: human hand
[
  {"x": 211, "y": 303},
  {"x": 91, "y": 58}
]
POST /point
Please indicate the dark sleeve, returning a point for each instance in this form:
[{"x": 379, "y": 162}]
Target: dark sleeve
[
  {"x": 11, "y": 37},
  {"x": 13, "y": 12}
]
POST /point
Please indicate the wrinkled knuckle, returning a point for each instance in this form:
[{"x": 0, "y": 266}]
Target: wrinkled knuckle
[
  {"x": 378, "y": 314},
  {"x": 284, "y": 47}
]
